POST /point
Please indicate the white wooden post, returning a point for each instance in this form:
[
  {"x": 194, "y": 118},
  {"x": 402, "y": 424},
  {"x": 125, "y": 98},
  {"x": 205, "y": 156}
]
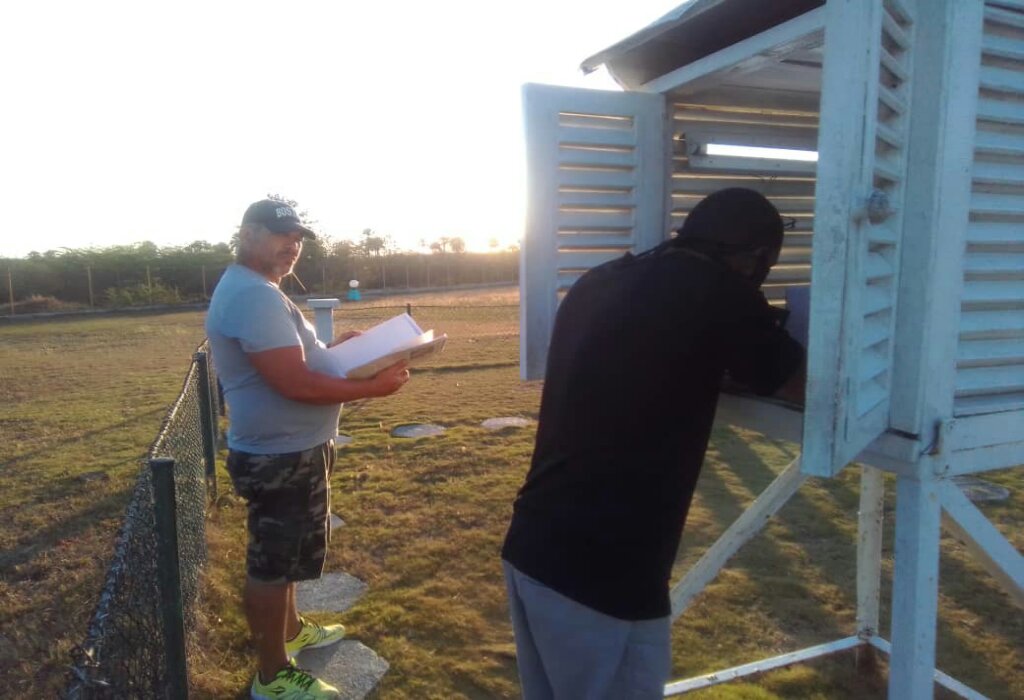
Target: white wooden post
[
  {"x": 538, "y": 271},
  {"x": 323, "y": 317},
  {"x": 869, "y": 549},
  {"x": 915, "y": 598}
]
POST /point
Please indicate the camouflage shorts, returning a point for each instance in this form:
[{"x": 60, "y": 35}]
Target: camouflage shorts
[{"x": 289, "y": 497}]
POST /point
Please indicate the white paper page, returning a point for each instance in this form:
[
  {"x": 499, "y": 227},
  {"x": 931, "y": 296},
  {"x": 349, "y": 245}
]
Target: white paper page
[
  {"x": 423, "y": 347},
  {"x": 394, "y": 334}
]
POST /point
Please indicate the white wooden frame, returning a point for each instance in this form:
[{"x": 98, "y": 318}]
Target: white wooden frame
[
  {"x": 930, "y": 444},
  {"x": 745, "y": 56},
  {"x": 920, "y": 505}
]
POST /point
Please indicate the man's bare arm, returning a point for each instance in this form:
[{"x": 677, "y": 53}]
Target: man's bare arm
[{"x": 285, "y": 370}]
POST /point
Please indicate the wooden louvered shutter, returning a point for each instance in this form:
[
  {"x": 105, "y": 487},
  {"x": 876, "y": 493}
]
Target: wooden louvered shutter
[
  {"x": 990, "y": 353},
  {"x": 862, "y": 161},
  {"x": 597, "y": 168}
]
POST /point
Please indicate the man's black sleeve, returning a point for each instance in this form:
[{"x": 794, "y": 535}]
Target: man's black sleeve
[{"x": 758, "y": 351}]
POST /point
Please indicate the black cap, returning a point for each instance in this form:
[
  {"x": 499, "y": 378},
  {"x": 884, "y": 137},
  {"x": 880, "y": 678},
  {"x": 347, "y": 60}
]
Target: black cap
[
  {"x": 735, "y": 217},
  {"x": 278, "y": 217}
]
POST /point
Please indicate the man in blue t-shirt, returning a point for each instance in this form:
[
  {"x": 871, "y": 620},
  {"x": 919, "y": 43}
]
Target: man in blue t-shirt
[
  {"x": 637, "y": 358},
  {"x": 284, "y": 408}
]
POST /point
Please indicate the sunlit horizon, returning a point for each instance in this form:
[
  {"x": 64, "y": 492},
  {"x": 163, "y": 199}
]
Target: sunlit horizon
[{"x": 141, "y": 123}]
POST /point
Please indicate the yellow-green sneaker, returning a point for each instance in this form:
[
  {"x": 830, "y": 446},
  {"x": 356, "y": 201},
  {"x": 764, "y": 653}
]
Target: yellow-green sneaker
[
  {"x": 313, "y": 636},
  {"x": 292, "y": 683}
]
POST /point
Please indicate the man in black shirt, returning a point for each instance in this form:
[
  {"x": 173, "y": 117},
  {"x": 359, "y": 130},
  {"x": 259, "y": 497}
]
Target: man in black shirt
[{"x": 637, "y": 358}]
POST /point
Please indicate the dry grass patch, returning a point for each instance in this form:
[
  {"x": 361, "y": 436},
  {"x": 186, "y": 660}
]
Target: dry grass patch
[{"x": 76, "y": 397}]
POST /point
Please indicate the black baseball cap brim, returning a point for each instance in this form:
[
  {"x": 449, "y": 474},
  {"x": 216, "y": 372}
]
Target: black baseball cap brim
[{"x": 285, "y": 226}]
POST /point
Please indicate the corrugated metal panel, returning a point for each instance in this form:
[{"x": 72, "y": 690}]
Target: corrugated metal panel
[
  {"x": 990, "y": 356},
  {"x": 792, "y": 192}
]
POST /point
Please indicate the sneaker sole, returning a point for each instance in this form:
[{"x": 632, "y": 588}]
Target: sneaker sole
[{"x": 254, "y": 696}]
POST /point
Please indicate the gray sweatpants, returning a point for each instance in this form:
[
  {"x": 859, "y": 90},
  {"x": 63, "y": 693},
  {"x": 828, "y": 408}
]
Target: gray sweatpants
[{"x": 567, "y": 651}]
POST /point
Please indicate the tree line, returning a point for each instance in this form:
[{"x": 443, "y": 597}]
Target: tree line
[{"x": 145, "y": 274}]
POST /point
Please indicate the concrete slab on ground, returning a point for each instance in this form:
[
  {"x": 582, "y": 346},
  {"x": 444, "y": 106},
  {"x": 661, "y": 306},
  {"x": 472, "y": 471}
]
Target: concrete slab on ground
[
  {"x": 333, "y": 592},
  {"x": 979, "y": 490},
  {"x": 506, "y": 422},
  {"x": 350, "y": 666},
  {"x": 416, "y": 430}
]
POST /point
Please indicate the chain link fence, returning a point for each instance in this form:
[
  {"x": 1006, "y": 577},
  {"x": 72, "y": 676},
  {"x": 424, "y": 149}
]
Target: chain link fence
[{"x": 124, "y": 654}]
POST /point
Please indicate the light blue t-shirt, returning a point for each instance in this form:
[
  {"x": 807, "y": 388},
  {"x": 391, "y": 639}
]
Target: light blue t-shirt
[{"x": 250, "y": 314}]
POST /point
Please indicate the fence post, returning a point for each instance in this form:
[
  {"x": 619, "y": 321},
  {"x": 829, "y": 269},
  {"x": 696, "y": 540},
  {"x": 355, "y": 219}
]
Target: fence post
[
  {"x": 207, "y": 421},
  {"x": 408, "y": 309},
  {"x": 169, "y": 575}
]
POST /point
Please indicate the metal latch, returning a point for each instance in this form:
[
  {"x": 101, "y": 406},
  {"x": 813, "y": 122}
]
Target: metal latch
[{"x": 876, "y": 208}]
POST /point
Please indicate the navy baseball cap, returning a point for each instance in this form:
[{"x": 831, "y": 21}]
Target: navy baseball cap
[{"x": 278, "y": 217}]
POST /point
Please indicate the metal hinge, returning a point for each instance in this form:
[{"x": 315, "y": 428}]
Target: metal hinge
[{"x": 943, "y": 427}]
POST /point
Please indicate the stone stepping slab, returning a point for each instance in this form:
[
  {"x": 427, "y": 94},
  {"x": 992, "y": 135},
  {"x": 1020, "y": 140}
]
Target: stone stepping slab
[
  {"x": 979, "y": 490},
  {"x": 333, "y": 592},
  {"x": 350, "y": 666},
  {"x": 417, "y": 430},
  {"x": 506, "y": 422}
]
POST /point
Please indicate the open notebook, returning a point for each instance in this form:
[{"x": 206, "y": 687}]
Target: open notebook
[{"x": 398, "y": 338}]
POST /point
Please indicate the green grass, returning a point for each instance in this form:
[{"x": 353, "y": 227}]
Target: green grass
[
  {"x": 424, "y": 524},
  {"x": 76, "y": 396}
]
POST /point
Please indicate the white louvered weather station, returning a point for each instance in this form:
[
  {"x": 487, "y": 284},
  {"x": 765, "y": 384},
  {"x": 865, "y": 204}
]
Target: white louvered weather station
[{"x": 908, "y": 230}]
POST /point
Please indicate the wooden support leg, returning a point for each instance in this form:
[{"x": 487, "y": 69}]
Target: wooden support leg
[
  {"x": 915, "y": 588},
  {"x": 869, "y": 549},
  {"x": 869, "y": 561}
]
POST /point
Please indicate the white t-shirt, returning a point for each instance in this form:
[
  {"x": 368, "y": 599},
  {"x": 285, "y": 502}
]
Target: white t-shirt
[{"x": 250, "y": 314}]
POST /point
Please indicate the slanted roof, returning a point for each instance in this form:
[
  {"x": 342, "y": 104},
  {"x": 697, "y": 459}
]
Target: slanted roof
[{"x": 695, "y": 29}]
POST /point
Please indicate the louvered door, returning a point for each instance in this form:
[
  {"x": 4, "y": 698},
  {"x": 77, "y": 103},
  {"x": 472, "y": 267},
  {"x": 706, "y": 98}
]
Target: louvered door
[
  {"x": 597, "y": 168},
  {"x": 862, "y": 160},
  {"x": 990, "y": 354}
]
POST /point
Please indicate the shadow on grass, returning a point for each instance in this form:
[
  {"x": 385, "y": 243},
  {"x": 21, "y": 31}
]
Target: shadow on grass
[
  {"x": 781, "y": 579},
  {"x": 82, "y": 437},
  {"x": 960, "y": 650},
  {"x": 445, "y": 369},
  {"x": 69, "y": 526},
  {"x": 832, "y": 550}
]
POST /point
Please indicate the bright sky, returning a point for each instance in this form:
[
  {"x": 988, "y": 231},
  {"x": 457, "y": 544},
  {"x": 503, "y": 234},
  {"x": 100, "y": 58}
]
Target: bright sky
[{"x": 132, "y": 121}]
